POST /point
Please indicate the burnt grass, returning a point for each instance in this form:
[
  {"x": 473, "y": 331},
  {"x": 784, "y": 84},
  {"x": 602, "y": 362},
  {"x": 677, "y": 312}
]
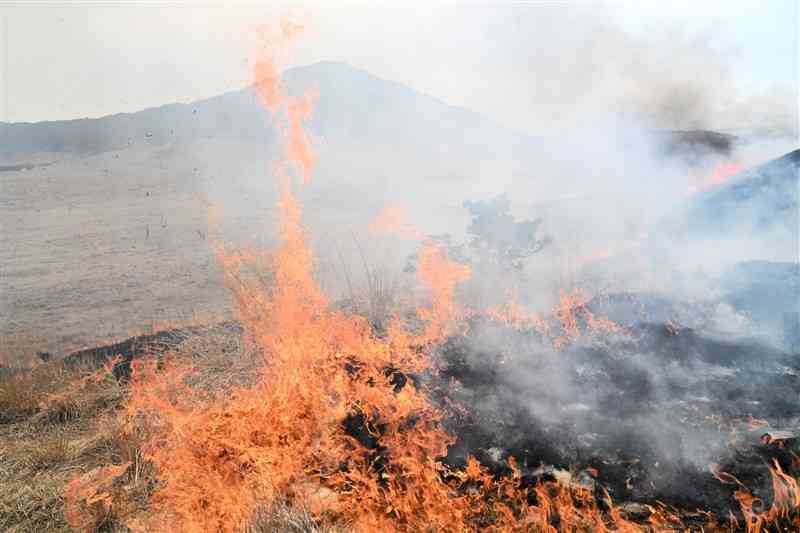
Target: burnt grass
[
  {"x": 142, "y": 345},
  {"x": 645, "y": 412}
]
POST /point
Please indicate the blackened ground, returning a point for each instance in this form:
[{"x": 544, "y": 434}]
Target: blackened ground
[
  {"x": 648, "y": 410},
  {"x": 141, "y": 345}
]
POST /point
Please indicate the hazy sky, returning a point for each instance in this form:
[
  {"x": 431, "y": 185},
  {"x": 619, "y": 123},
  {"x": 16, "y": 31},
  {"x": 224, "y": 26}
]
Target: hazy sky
[{"x": 523, "y": 63}]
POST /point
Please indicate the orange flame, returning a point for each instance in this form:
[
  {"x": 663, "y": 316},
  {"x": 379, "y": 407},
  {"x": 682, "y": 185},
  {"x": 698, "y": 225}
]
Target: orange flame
[
  {"x": 440, "y": 276},
  {"x": 721, "y": 173},
  {"x": 785, "y": 499},
  {"x": 518, "y": 317},
  {"x": 394, "y": 220},
  {"x": 571, "y": 306},
  {"x": 266, "y": 69},
  {"x": 299, "y": 151}
]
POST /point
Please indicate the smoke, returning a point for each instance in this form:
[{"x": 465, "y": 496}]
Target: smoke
[
  {"x": 651, "y": 409},
  {"x": 565, "y": 67},
  {"x": 615, "y": 202}
]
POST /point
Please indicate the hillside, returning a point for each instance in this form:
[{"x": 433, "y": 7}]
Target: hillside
[
  {"x": 353, "y": 106},
  {"x": 761, "y": 198},
  {"x": 755, "y": 215}
]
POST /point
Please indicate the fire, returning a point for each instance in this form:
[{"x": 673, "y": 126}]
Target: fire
[
  {"x": 437, "y": 273},
  {"x": 394, "y": 220},
  {"x": 286, "y": 438},
  {"x": 572, "y": 306},
  {"x": 333, "y": 424},
  {"x": 721, "y": 173},
  {"x": 785, "y": 501},
  {"x": 518, "y": 317},
  {"x": 440, "y": 275},
  {"x": 299, "y": 149},
  {"x": 87, "y": 499},
  {"x": 266, "y": 69}
]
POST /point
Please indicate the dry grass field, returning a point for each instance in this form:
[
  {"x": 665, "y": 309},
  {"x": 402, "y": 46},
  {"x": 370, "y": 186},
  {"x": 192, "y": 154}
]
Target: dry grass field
[
  {"x": 104, "y": 246},
  {"x": 60, "y": 425}
]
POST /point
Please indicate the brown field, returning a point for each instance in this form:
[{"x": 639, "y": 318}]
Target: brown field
[{"x": 101, "y": 247}]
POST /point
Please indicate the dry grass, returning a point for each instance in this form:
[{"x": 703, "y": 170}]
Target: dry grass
[
  {"x": 377, "y": 299},
  {"x": 382, "y": 294},
  {"x": 283, "y": 519},
  {"x": 83, "y": 393},
  {"x": 61, "y": 427},
  {"x": 220, "y": 357},
  {"x": 52, "y": 419},
  {"x": 19, "y": 350},
  {"x": 22, "y": 391},
  {"x": 36, "y": 463}
]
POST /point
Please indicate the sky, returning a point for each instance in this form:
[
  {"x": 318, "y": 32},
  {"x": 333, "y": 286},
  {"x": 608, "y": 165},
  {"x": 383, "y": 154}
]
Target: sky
[{"x": 527, "y": 65}]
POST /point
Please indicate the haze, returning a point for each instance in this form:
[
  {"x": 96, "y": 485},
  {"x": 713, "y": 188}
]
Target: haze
[{"x": 523, "y": 65}]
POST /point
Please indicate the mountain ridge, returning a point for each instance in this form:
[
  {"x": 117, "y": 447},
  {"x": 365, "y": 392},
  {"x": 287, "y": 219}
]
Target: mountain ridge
[{"x": 238, "y": 114}]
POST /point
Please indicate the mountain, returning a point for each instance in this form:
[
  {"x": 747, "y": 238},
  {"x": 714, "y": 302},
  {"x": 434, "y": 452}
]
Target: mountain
[
  {"x": 374, "y": 139},
  {"x": 353, "y": 105},
  {"x": 233, "y": 114}
]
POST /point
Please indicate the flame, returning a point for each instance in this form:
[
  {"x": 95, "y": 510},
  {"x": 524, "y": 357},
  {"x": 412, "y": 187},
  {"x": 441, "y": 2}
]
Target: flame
[
  {"x": 88, "y": 498},
  {"x": 721, "y": 173},
  {"x": 266, "y": 69},
  {"x": 572, "y": 306},
  {"x": 298, "y": 109},
  {"x": 217, "y": 459},
  {"x": 285, "y": 438},
  {"x": 394, "y": 220},
  {"x": 785, "y": 499},
  {"x": 440, "y": 276},
  {"x": 215, "y": 213},
  {"x": 518, "y": 317}
]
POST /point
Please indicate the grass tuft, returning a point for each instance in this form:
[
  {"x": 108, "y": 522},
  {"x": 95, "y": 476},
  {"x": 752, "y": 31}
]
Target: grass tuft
[
  {"x": 70, "y": 460},
  {"x": 280, "y": 518}
]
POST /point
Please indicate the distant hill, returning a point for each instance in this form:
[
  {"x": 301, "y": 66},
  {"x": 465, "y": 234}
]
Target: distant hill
[
  {"x": 233, "y": 114},
  {"x": 353, "y": 106},
  {"x": 760, "y": 199}
]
